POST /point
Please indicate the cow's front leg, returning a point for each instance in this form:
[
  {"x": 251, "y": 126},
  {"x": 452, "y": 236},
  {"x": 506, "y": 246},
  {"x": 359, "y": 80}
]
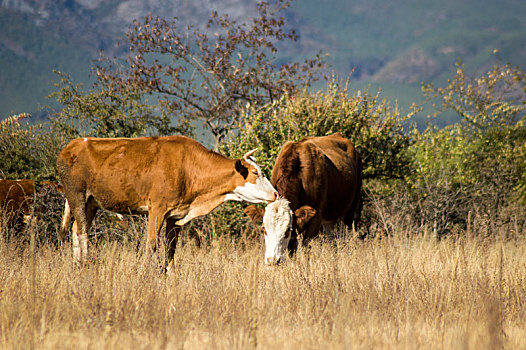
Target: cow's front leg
[
  {"x": 311, "y": 229},
  {"x": 155, "y": 222},
  {"x": 172, "y": 235}
]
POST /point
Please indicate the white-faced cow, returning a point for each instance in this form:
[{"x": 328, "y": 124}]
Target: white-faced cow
[
  {"x": 319, "y": 182},
  {"x": 173, "y": 179}
]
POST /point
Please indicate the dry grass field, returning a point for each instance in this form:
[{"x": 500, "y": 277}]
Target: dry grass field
[{"x": 391, "y": 293}]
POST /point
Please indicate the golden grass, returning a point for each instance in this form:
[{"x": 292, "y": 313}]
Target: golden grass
[{"x": 395, "y": 293}]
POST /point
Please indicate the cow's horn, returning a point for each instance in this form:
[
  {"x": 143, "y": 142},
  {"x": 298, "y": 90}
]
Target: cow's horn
[{"x": 249, "y": 153}]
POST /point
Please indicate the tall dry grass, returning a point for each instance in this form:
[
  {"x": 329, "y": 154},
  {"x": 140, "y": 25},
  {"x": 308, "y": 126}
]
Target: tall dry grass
[{"x": 390, "y": 293}]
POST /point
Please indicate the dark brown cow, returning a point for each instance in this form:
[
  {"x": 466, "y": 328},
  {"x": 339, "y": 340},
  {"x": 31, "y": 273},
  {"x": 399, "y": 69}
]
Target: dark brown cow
[
  {"x": 319, "y": 180},
  {"x": 172, "y": 179},
  {"x": 16, "y": 201}
]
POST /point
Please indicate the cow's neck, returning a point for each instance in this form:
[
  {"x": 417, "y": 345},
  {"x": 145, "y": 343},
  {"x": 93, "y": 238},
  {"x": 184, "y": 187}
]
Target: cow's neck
[
  {"x": 292, "y": 190},
  {"x": 285, "y": 176},
  {"x": 216, "y": 185}
]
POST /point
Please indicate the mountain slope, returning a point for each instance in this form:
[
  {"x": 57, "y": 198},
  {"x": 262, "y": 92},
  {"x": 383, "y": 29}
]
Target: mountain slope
[{"x": 387, "y": 43}]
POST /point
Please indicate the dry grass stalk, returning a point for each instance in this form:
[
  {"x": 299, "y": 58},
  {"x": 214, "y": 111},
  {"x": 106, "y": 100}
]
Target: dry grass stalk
[{"x": 390, "y": 293}]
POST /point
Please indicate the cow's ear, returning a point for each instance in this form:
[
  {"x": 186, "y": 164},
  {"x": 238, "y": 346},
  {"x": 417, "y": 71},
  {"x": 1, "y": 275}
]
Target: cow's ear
[
  {"x": 240, "y": 168},
  {"x": 255, "y": 214},
  {"x": 303, "y": 216}
]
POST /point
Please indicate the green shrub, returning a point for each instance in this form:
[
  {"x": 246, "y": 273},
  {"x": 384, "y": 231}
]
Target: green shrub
[
  {"x": 27, "y": 151},
  {"x": 477, "y": 166},
  {"x": 377, "y": 129},
  {"x": 104, "y": 113}
]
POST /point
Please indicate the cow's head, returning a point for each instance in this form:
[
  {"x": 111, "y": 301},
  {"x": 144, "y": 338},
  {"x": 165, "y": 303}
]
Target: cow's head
[
  {"x": 279, "y": 224},
  {"x": 255, "y": 187}
]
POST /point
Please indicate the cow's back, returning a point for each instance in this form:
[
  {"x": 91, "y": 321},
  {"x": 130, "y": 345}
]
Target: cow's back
[
  {"x": 122, "y": 173},
  {"x": 322, "y": 172}
]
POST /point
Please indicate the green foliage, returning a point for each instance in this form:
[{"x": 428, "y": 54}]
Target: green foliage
[
  {"x": 491, "y": 137},
  {"x": 474, "y": 167},
  {"x": 27, "y": 151},
  {"x": 477, "y": 165},
  {"x": 377, "y": 130},
  {"x": 458, "y": 173},
  {"x": 228, "y": 220},
  {"x": 375, "y": 127},
  {"x": 103, "y": 113},
  {"x": 493, "y": 100}
]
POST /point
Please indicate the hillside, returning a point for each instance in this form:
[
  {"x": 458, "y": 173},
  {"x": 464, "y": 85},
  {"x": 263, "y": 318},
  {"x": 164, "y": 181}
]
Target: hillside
[{"x": 393, "y": 45}]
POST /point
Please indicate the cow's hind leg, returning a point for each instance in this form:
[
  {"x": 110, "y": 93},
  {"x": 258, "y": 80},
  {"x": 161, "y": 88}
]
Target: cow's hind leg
[
  {"x": 353, "y": 215},
  {"x": 172, "y": 235},
  {"x": 84, "y": 215},
  {"x": 354, "y": 212},
  {"x": 77, "y": 205},
  {"x": 66, "y": 220}
]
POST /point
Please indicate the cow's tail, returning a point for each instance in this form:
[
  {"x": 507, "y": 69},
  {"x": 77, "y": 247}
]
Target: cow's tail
[{"x": 66, "y": 220}]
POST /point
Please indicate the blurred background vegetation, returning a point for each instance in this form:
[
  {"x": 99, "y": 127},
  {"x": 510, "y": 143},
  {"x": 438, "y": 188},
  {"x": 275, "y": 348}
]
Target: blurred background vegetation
[
  {"x": 392, "y": 45},
  {"x": 466, "y": 178}
]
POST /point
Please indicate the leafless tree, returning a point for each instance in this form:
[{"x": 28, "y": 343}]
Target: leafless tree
[{"x": 209, "y": 74}]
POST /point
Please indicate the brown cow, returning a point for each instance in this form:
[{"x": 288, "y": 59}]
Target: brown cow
[
  {"x": 16, "y": 202},
  {"x": 173, "y": 179},
  {"x": 319, "y": 180}
]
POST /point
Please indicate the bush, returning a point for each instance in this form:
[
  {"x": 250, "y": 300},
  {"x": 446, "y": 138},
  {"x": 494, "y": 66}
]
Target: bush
[
  {"x": 475, "y": 167},
  {"x": 377, "y": 129},
  {"x": 103, "y": 113},
  {"x": 27, "y": 151}
]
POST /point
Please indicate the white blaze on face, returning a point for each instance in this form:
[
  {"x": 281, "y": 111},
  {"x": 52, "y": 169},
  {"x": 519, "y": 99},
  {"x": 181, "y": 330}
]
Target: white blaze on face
[
  {"x": 277, "y": 222},
  {"x": 260, "y": 192}
]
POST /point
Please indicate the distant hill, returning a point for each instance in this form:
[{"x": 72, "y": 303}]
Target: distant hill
[{"x": 390, "y": 44}]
